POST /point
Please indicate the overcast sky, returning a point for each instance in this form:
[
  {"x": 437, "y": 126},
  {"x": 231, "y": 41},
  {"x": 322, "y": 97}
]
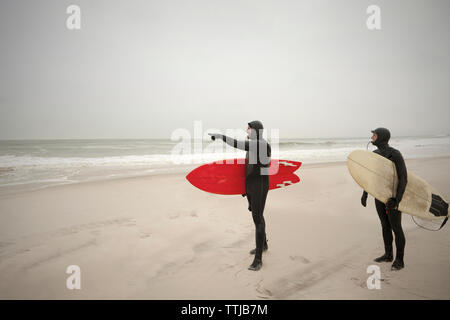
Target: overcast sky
[{"x": 141, "y": 69}]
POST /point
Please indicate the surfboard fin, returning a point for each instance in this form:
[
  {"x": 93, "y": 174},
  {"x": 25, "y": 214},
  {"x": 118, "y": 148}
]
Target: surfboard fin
[
  {"x": 443, "y": 223},
  {"x": 438, "y": 206}
]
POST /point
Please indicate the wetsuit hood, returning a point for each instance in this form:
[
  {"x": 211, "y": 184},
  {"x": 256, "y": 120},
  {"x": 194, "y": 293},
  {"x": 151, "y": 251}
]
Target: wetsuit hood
[
  {"x": 383, "y": 137},
  {"x": 258, "y": 129}
]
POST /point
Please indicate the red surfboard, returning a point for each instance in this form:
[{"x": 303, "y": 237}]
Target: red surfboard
[{"x": 228, "y": 176}]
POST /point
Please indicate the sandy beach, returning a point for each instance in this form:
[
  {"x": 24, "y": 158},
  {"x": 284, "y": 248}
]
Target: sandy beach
[{"x": 158, "y": 237}]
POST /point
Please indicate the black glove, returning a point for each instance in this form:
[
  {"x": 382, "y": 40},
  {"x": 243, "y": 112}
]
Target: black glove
[
  {"x": 364, "y": 199},
  {"x": 215, "y": 135},
  {"x": 391, "y": 204}
]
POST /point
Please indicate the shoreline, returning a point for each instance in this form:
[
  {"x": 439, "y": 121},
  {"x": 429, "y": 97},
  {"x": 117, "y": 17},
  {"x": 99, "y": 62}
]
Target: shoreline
[{"x": 182, "y": 171}]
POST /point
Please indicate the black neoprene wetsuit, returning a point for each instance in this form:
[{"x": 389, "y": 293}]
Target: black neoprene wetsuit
[
  {"x": 256, "y": 178},
  {"x": 391, "y": 220}
]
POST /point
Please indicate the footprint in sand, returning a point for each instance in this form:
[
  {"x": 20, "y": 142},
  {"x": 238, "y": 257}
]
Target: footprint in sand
[
  {"x": 95, "y": 232},
  {"x": 358, "y": 282},
  {"x": 299, "y": 258},
  {"x": 193, "y": 214},
  {"x": 265, "y": 293},
  {"x": 174, "y": 216},
  {"x": 58, "y": 254},
  {"x": 363, "y": 283},
  {"x": 144, "y": 235},
  {"x": 131, "y": 223},
  {"x": 306, "y": 277}
]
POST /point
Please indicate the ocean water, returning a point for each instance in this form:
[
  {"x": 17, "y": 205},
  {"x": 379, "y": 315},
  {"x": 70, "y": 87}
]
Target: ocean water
[{"x": 32, "y": 164}]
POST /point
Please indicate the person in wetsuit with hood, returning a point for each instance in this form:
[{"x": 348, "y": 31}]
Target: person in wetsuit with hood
[
  {"x": 390, "y": 217},
  {"x": 257, "y": 164}
]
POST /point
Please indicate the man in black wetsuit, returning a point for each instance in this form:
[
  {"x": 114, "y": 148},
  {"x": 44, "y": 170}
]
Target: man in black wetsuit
[
  {"x": 256, "y": 181},
  {"x": 390, "y": 217}
]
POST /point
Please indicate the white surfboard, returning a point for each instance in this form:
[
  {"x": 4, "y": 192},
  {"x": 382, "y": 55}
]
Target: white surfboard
[{"x": 378, "y": 177}]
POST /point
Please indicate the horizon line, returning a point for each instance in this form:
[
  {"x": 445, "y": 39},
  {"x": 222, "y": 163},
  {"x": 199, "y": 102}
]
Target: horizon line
[{"x": 286, "y": 138}]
